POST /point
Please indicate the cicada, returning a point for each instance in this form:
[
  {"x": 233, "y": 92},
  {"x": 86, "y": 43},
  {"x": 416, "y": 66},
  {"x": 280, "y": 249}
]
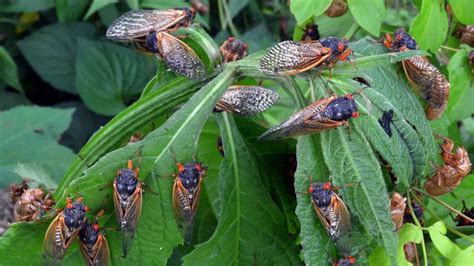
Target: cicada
[
  {"x": 447, "y": 177},
  {"x": 246, "y": 100},
  {"x": 186, "y": 192},
  {"x": 324, "y": 114},
  {"x": 233, "y": 50},
  {"x": 128, "y": 197},
  {"x": 332, "y": 212},
  {"x": 62, "y": 231},
  {"x": 93, "y": 244},
  {"x": 424, "y": 77},
  {"x": 337, "y": 8},
  {"x": 386, "y": 120},
  {"x": 411, "y": 253},
  {"x": 30, "y": 204},
  {"x": 397, "y": 209},
  {"x": 461, "y": 221},
  {"x": 417, "y": 210},
  {"x": 291, "y": 58},
  {"x": 310, "y": 32},
  {"x": 346, "y": 261}
]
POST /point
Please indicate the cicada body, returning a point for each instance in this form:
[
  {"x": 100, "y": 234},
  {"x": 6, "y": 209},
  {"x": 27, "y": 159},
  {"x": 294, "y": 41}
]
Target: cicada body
[
  {"x": 337, "y": 8},
  {"x": 310, "y": 32},
  {"x": 386, "y": 120},
  {"x": 291, "y": 58},
  {"x": 246, "y": 100},
  {"x": 461, "y": 221},
  {"x": 220, "y": 146},
  {"x": 322, "y": 115},
  {"x": 128, "y": 198},
  {"x": 339, "y": 50},
  {"x": 346, "y": 261},
  {"x": 333, "y": 214},
  {"x": 447, "y": 177},
  {"x": 397, "y": 209},
  {"x": 137, "y": 24},
  {"x": 93, "y": 245},
  {"x": 424, "y": 77},
  {"x": 233, "y": 50},
  {"x": 417, "y": 210},
  {"x": 62, "y": 231}
]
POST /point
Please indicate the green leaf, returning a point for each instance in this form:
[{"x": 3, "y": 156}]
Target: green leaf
[
  {"x": 133, "y": 4},
  {"x": 379, "y": 257},
  {"x": 26, "y": 5},
  {"x": 408, "y": 233},
  {"x": 465, "y": 257},
  {"x": 51, "y": 51},
  {"x": 303, "y": 9},
  {"x": 235, "y": 6},
  {"x": 25, "y": 239},
  {"x": 96, "y": 5},
  {"x": 248, "y": 215},
  {"x": 368, "y": 14},
  {"x": 9, "y": 100},
  {"x": 460, "y": 79},
  {"x": 442, "y": 243},
  {"x": 37, "y": 174},
  {"x": 110, "y": 76},
  {"x": 8, "y": 70},
  {"x": 462, "y": 10},
  {"x": 70, "y": 11},
  {"x": 33, "y": 141},
  {"x": 430, "y": 27}
]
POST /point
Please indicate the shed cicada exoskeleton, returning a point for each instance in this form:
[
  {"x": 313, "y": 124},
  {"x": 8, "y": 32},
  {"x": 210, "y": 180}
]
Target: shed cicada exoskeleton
[{"x": 233, "y": 50}]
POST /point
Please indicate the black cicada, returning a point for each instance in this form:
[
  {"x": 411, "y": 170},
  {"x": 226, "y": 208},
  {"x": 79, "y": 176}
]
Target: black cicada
[
  {"x": 332, "y": 212},
  {"x": 324, "y": 114},
  {"x": 386, "y": 120},
  {"x": 186, "y": 192},
  {"x": 246, "y": 100},
  {"x": 417, "y": 210},
  {"x": 128, "y": 197},
  {"x": 461, "y": 221},
  {"x": 310, "y": 32},
  {"x": 424, "y": 77},
  {"x": 233, "y": 50},
  {"x": 62, "y": 231},
  {"x": 346, "y": 261},
  {"x": 93, "y": 244}
]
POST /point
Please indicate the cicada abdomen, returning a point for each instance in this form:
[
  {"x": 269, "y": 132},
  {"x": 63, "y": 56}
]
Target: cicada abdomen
[
  {"x": 397, "y": 210},
  {"x": 324, "y": 114},
  {"x": 137, "y": 24},
  {"x": 128, "y": 198},
  {"x": 291, "y": 58},
  {"x": 246, "y": 100},
  {"x": 447, "y": 177},
  {"x": 346, "y": 261},
  {"x": 93, "y": 245},
  {"x": 30, "y": 204},
  {"x": 233, "y": 50},
  {"x": 386, "y": 120},
  {"x": 426, "y": 79},
  {"x": 62, "y": 231},
  {"x": 333, "y": 214},
  {"x": 186, "y": 192}
]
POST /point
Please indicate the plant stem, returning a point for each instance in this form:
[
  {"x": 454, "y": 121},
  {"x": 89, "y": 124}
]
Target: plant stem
[
  {"x": 232, "y": 27},
  {"x": 445, "y": 205},
  {"x": 423, "y": 247},
  {"x": 450, "y": 48},
  {"x": 221, "y": 15},
  {"x": 351, "y": 31}
]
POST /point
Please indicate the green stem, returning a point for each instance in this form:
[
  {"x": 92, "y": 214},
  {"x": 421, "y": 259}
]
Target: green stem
[
  {"x": 423, "y": 247},
  {"x": 351, "y": 31},
  {"x": 232, "y": 27},
  {"x": 221, "y": 15},
  {"x": 450, "y": 48}
]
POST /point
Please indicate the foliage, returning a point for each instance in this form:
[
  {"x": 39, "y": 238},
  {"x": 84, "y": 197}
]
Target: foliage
[{"x": 251, "y": 211}]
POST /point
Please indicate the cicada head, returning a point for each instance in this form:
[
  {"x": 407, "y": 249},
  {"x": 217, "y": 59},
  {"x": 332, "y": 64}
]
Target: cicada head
[
  {"x": 190, "y": 175},
  {"x": 341, "y": 109},
  {"x": 402, "y": 40},
  {"x": 93, "y": 244},
  {"x": 89, "y": 234},
  {"x": 233, "y": 50},
  {"x": 188, "y": 17},
  {"x": 347, "y": 261},
  {"x": 321, "y": 194},
  {"x": 74, "y": 214},
  {"x": 126, "y": 182},
  {"x": 339, "y": 48}
]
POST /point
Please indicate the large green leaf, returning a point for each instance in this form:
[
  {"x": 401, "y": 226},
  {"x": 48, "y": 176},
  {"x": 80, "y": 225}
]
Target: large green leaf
[
  {"x": 460, "y": 79},
  {"x": 33, "y": 141},
  {"x": 110, "y": 76},
  {"x": 51, "y": 51},
  {"x": 70, "y": 11},
  {"x": 368, "y": 14},
  {"x": 8, "y": 70},
  {"x": 97, "y": 5},
  {"x": 304, "y": 9},
  {"x": 430, "y": 27},
  {"x": 251, "y": 229},
  {"x": 462, "y": 10},
  {"x": 25, "y": 5}
]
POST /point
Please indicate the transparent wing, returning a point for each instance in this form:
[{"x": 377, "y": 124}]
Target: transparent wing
[
  {"x": 138, "y": 23},
  {"x": 179, "y": 57},
  {"x": 247, "y": 100}
]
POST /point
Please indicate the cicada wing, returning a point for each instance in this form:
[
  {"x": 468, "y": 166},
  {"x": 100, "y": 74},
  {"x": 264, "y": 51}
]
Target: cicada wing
[
  {"x": 138, "y": 23},
  {"x": 324, "y": 221},
  {"x": 102, "y": 257},
  {"x": 130, "y": 219},
  {"x": 342, "y": 226},
  {"x": 54, "y": 244},
  {"x": 247, "y": 100},
  {"x": 291, "y": 58},
  {"x": 179, "y": 57}
]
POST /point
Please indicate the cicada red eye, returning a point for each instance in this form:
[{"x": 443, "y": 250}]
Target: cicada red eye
[
  {"x": 180, "y": 167},
  {"x": 93, "y": 245},
  {"x": 246, "y": 100},
  {"x": 327, "y": 186},
  {"x": 198, "y": 167}
]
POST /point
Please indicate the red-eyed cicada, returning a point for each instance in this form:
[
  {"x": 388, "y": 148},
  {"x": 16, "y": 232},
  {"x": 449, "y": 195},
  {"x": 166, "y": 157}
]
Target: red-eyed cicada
[
  {"x": 447, "y": 177},
  {"x": 233, "y": 50},
  {"x": 346, "y": 261},
  {"x": 149, "y": 31},
  {"x": 291, "y": 58},
  {"x": 186, "y": 192},
  {"x": 93, "y": 244},
  {"x": 324, "y": 114},
  {"x": 397, "y": 209},
  {"x": 246, "y": 100},
  {"x": 62, "y": 231},
  {"x": 31, "y": 203},
  {"x": 128, "y": 197},
  {"x": 333, "y": 214},
  {"x": 424, "y": 77}
]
